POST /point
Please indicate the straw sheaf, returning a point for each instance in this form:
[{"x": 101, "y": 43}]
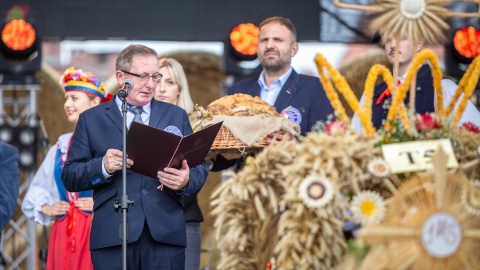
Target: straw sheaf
[
  {"x": 411, "y": 19},
  {"x": 465, "y": 146},
  {"x": 260, "y": 216},
  {"x": 392, "y": 22},
  {"x": 263, "y": 198},
  {"x": 245, "y": 208}
]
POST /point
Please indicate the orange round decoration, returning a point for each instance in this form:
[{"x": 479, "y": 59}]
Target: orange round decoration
[
  {"x": 244, "y": 39},
  {"x": 18, "y": 35},
  {"x": 467, "y": 42}
]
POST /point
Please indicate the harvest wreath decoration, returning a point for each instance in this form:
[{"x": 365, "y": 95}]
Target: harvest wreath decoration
[
  {"x": 268, "y": 214},
  {"x": 286, "y": 208},
  {"x": 429, "y": 224}
]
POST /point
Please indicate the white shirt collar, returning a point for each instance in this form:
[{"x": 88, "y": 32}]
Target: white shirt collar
[
  {"x": 146, "y": 108},
  {"x": 282, "y": 79}
]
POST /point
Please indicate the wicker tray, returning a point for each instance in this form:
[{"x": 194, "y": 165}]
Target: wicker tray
[{"x": 229, "y": 146}]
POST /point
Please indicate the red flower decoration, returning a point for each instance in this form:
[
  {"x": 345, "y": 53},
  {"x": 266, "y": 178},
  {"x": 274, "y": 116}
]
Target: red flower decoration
[
  {"x": 470, "y": 127},
  {"x": 426, "y": 122},
  {"x": 107, "y": 97},
  {"x": 336, "y": 128}
]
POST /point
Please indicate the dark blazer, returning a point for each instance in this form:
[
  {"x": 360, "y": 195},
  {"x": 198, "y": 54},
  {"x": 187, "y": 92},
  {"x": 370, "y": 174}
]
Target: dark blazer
[
  {"x": 191, "y": 209},
  {"x": 424, "y": 97},
  {"x": 9, "y": 182},
  {"x": 99, "y": 129},
  {"x": 302, "y": 92}
]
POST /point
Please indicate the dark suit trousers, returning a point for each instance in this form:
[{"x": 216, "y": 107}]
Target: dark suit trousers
[
  {"x": 144, "y": 254},
  {"x": 194, "y": 246}
]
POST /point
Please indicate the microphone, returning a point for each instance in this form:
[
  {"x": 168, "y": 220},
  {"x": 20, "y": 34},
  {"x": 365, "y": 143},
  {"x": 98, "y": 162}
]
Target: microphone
[{"x": 125, "y": 88}]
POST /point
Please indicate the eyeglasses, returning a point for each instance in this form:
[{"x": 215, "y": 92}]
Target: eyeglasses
[{"x": 144, "y": 77}]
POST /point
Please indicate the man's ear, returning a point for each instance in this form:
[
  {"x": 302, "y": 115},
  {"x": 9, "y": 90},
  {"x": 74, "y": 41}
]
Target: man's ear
[
  {"x": 419, "y": 46},
  {"x": 119, "y": 76},
  {"x": 294, "y": 49}
]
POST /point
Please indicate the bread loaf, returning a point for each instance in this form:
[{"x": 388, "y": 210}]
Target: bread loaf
[{"x": 240, "y": 105}]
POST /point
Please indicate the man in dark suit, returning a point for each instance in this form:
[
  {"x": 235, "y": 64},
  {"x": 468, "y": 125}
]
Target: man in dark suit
[
  {"x": 156, "y": 232},
  {"x": 9, "y": 184},
  {"x": 300, "y": 97}
]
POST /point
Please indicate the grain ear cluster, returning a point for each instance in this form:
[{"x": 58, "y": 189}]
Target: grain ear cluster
[{"x": 261, "y": 216}]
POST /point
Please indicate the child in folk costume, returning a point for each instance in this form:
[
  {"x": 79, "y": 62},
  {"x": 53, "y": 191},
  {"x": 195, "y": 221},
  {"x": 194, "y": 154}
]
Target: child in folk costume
[{"x": 47, "y": 198}]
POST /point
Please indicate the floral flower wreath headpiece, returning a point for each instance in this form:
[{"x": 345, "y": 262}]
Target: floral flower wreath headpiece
[{"x": 79, "y": 80}]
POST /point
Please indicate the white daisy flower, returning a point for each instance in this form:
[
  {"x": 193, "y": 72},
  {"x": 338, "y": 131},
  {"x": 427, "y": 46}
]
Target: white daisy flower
[
  {"x": 368, "y": 207},
  {"x": 316, "y": 191},
  {"x": 379, "y": 167},
  {"x": 471, "y": 198}
]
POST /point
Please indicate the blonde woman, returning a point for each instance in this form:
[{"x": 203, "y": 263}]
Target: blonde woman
[{"x": 173, "y": 88}]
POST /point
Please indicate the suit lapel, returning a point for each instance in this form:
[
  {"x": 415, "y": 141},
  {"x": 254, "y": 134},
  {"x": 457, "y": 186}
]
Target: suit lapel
[
  {"x": 289, "y": 89},
  {"x": 114, "y": 114},
  {"x": 156, "y": 113},
  {"x": 254, "y": 90}
]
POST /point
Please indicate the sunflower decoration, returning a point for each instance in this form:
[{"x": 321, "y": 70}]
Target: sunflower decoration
[
  {"x": 426, "y": 225},
  {"x": 418, "y": 19},
  {"x": 316, "y": 191},
  {"x": 412, "y": 19},
  {"x": 378, "y": 167},
  {"x": 368, "y": 207}
]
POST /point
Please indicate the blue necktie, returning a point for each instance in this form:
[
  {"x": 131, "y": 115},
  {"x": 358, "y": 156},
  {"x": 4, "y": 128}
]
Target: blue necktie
[{"x": 137, "y": 111}]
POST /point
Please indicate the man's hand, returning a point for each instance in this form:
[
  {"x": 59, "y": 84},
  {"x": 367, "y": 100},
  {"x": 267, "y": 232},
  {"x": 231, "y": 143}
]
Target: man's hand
[
  {"x": 113, "y": 161},
  {"x": 173, "y": 178}
]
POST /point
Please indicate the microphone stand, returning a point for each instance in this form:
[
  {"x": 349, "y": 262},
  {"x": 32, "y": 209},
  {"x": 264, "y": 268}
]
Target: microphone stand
[{"x": 124, "y": 201}]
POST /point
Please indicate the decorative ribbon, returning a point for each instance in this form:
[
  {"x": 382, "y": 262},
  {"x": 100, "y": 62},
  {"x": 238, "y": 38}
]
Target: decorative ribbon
[
  {"x": 72, "y": 224},
  {"x": 385, "y": 94}
]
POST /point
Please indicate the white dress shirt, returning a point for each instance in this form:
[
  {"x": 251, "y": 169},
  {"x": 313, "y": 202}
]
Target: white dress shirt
[{"x": 270, "y": 94}]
